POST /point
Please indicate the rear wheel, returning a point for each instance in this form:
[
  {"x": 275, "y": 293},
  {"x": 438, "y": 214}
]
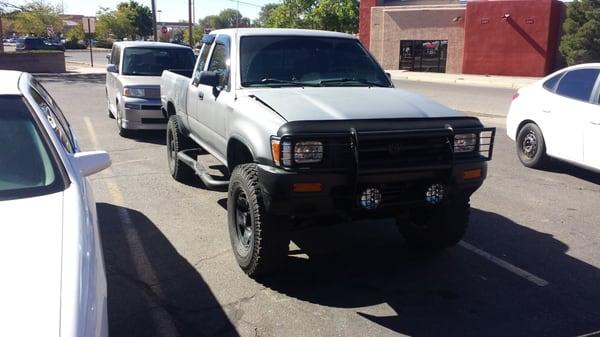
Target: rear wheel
[
  {"x": 439, "y": 228},
  {"x": 259, "y": 240},
  {"x": 176, "y": 142},
  {"x": 531, "y": 147}
]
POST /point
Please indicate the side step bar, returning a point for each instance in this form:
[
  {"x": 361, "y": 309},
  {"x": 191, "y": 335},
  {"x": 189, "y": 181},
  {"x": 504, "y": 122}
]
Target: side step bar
[{"x": 201, "y": 171}]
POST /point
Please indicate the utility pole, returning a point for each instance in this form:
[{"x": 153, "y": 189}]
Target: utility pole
[
  {"x": 190, "y": 23},
  {"x": 154, "y": 28}
]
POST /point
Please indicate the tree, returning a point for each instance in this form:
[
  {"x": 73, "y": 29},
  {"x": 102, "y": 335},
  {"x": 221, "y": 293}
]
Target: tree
[
  {"x": 265, "y": 13},
  {"x": 130, "y": 19},
  {"x": 337, "y": 15},
  {"x": 76, "y": 34},
  {"x": 36, "y": 17},
  {"x": 139, "y": 17},
  {"x": 581, "y": 41},
  {"x": 228, "y": 18}
]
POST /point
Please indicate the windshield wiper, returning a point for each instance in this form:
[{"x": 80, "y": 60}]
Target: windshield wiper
[
  {"x": 348, "y": 79},
  {"x": 278, "y": 81}
]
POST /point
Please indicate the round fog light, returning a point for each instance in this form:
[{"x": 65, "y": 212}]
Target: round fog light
[
  {"x": 370, "y": 198},
  {"x": 435, "y": 194}
]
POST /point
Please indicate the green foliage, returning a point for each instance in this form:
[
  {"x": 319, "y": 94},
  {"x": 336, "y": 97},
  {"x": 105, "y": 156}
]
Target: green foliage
[
  {"x": 265, "y": 13},
  {"x": 228, "y": 18},
  {"x": 76, "y": 34},
  {"x": 129, "y": 20},
  {"x": 336, "y": 15},
  {"x": 35, "y": 18},
  {"x": 581, "y": 41}
]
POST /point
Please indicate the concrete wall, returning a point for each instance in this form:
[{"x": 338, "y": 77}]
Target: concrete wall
[
  {"x": 38, "y": 62},
  {"x": 522, "y": 44},
  {"x": 390, "y": 25}
]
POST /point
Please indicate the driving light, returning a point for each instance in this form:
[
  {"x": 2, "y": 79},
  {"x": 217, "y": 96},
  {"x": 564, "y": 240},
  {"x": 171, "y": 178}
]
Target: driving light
[
  {"x": 465, "y": 143},
  {"x": 435, "y": 194},
  {"x": 370, "y": 198},
  {"x": 134, "y": 92},
  {"x": 308, "y": 152}
]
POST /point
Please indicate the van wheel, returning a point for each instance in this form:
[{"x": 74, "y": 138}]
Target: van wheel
[
  {"x": 125, "y": 133},
  {"x": 259, "y": 240},
  {"x": 176, "y": 142},
  {"x": 531, "y": 147},
  {"x": 110, "y": 114}
]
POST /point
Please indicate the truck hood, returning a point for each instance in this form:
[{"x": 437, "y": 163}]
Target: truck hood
[
  {"x": 142, "y": 81},
  {"x": 349, "y": 103},
  {"x": 30, "y": 260}
]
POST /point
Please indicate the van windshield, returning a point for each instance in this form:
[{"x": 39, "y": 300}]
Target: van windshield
[{"x": 140, "y": 61}]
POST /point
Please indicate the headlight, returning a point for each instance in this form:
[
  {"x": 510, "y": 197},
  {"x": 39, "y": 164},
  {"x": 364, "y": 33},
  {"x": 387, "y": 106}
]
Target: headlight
[
  {"x": 465, "y": 143},
  {"x": 308, "y": 152},
  {"x": 134, "y": 92}
]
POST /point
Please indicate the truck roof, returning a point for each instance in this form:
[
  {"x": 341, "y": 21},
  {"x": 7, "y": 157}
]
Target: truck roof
[
  {"x": 10, "y": 82},
  {"x": 150, "y": 44},
  {"x": 280, "y": 31}
]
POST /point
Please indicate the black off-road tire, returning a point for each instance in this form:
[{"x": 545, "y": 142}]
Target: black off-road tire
[
  {"x": 531, "y": 147},
  {"x": 177, "y": 141},
  {"x": 439, "y": 228},
  {"x": 263, "y": 250}
]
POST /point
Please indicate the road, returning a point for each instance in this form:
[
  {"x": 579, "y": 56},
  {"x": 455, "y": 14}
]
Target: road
[
  {"x": 83, "y": 56},
  {"x": 527, "y": 267}
]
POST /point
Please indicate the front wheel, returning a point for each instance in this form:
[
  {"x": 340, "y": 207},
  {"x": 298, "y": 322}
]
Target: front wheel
[
  {"x": 176, "y": 142},
  {"x": 123, "y": 132},
  {"x": 439, "y": 228},
  {"x": 531, "y": 147},
  {"x": 259, "y": 240}
]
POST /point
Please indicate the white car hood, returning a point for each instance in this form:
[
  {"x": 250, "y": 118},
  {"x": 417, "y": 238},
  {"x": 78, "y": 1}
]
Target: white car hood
[
  {"x": 30, "y": 260},
  {"x": 347, "y": 103}
]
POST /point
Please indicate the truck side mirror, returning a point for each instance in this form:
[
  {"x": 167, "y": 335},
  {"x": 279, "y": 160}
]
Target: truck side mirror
[
  {"x": 210, "y": 78},
  {"x": 112, "y": 68}
]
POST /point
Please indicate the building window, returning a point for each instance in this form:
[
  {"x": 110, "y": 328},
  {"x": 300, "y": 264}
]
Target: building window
[{"x": 424, "y": 55}]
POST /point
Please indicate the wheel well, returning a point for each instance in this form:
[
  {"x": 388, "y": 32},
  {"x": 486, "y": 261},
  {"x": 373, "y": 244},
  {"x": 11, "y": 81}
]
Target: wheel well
[
  {"x": 523, "y": 123},
  {"x": 170, "y": 110},
  {"x": 237, "y": 153}
]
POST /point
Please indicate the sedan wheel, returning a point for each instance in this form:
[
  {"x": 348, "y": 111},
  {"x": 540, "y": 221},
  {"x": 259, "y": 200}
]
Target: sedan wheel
[{"x": 531, "y": 148}]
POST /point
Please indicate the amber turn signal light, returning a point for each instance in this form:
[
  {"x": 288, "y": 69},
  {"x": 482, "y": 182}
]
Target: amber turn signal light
[
  {"x": 472, "y": 174},
  {"x": 307, "y": 187}
]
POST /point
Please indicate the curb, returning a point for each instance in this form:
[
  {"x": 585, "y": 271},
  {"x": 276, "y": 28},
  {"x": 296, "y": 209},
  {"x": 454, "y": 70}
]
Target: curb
[{"x": 484, "y": 81}]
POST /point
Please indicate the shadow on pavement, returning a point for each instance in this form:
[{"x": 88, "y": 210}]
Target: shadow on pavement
[
  {"x": 455, "y": 293},
  {"x": 562, "y": 167},
  {"x": 72, "y": 78},
  {"x": 152, "y": 290},
  {"x": 157, "y": 137}
]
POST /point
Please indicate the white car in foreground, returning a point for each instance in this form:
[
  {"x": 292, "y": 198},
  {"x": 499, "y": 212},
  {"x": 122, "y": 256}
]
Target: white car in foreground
[
  {"x": 559, "y": 117},
  {"x": 53, "y": 279}
]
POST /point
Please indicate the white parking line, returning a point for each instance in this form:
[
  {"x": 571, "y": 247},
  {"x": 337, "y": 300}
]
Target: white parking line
[{"x": 512, "y": 268}]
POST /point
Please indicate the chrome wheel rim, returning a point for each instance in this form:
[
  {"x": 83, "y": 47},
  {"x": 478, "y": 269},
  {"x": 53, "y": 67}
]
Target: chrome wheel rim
[
  {"x": 529, "y": 145},
  {"x": 172, "y": 151}
]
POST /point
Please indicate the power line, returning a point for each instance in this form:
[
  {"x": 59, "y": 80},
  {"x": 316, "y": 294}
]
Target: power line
[{"x": 245, "y": 3}]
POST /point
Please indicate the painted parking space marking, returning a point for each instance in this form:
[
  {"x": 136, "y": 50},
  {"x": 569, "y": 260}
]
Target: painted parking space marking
[{"x": 506, "y": 265}]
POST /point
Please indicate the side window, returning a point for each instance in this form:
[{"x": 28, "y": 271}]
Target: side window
[
  {"x": 219, "y": 61},
  {"x": 117, "y": 57},
  {"x": 201, "y": 61},
  {"x": 61, "y": 131},
  {"x": 113, "y": 53},
  {"x": 551, "y": 83},
  {"x": 578, "y": 84}
]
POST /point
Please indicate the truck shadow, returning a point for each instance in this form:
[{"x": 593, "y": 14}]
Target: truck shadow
[
  {"x": 367, "y": 268},
  {"x": 152, "y": 290}
]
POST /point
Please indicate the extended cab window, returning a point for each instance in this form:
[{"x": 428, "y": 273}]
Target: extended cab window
[
  {"x": 219, "y": 62},
  {"x": 27, "y": 167},
  {"x": 578, "y": 84},
  {"x": 202, "y": 60}
]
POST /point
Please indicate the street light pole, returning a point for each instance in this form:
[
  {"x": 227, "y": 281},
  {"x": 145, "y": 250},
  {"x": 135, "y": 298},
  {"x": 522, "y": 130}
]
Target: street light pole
[
  {"x": 191, "y": 38},
  {"x": 154, "y": 28}
]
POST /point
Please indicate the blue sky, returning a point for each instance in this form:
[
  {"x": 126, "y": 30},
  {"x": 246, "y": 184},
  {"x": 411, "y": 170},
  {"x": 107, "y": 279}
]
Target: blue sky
[{"x": 172, "y": 10}]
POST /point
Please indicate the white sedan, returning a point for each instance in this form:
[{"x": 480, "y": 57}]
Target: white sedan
[
  {"x": 559, "y": 117},
  {"x": 53, "y": 279}
]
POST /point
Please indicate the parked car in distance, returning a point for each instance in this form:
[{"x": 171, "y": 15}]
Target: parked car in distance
[
  {"x": 53, "y": 277},
  {"x": 559, "y": 117},
  {"x": 38, "y": 43},
  {"x": 133, "y": 82},
  {"x": 310, "y": 127}
]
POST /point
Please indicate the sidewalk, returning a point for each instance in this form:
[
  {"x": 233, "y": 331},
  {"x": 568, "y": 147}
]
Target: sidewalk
[
  {"x": 82, "y": 68},
  {"x": 506, "y": 82}
]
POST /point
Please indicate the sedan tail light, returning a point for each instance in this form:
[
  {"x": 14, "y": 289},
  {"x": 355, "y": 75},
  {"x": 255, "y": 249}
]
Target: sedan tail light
[{"x": 515, "y": 95}]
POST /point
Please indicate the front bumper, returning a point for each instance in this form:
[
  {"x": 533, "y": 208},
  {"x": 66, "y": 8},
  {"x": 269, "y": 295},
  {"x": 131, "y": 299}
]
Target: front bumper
[
  {"x": 340, "y": 191},
  {"x": 143, "y": 114}
]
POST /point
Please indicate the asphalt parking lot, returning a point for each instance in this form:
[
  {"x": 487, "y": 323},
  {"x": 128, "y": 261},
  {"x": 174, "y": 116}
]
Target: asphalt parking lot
[{"x": 527, "y": 267}]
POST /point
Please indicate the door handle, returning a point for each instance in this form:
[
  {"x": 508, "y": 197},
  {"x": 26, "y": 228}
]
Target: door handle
[
  {"x": 595, "y": 123},
  {"x": 200, "y": 95},
  {"x": 546, "y": 111}
]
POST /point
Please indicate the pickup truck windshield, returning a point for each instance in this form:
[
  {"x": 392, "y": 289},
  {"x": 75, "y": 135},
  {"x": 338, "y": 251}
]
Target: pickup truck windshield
[
  {"x": 141, "y": 61},
  {"x": 311, "y": 61},
  {"x": 26, "y": 166}
]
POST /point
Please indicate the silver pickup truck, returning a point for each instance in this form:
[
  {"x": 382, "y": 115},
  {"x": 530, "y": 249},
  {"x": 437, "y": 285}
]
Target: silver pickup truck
[{"x": 309, "y": 126}]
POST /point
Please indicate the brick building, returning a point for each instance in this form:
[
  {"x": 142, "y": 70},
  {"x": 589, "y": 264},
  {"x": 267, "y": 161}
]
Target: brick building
[{"x": 500, "y": 37}]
